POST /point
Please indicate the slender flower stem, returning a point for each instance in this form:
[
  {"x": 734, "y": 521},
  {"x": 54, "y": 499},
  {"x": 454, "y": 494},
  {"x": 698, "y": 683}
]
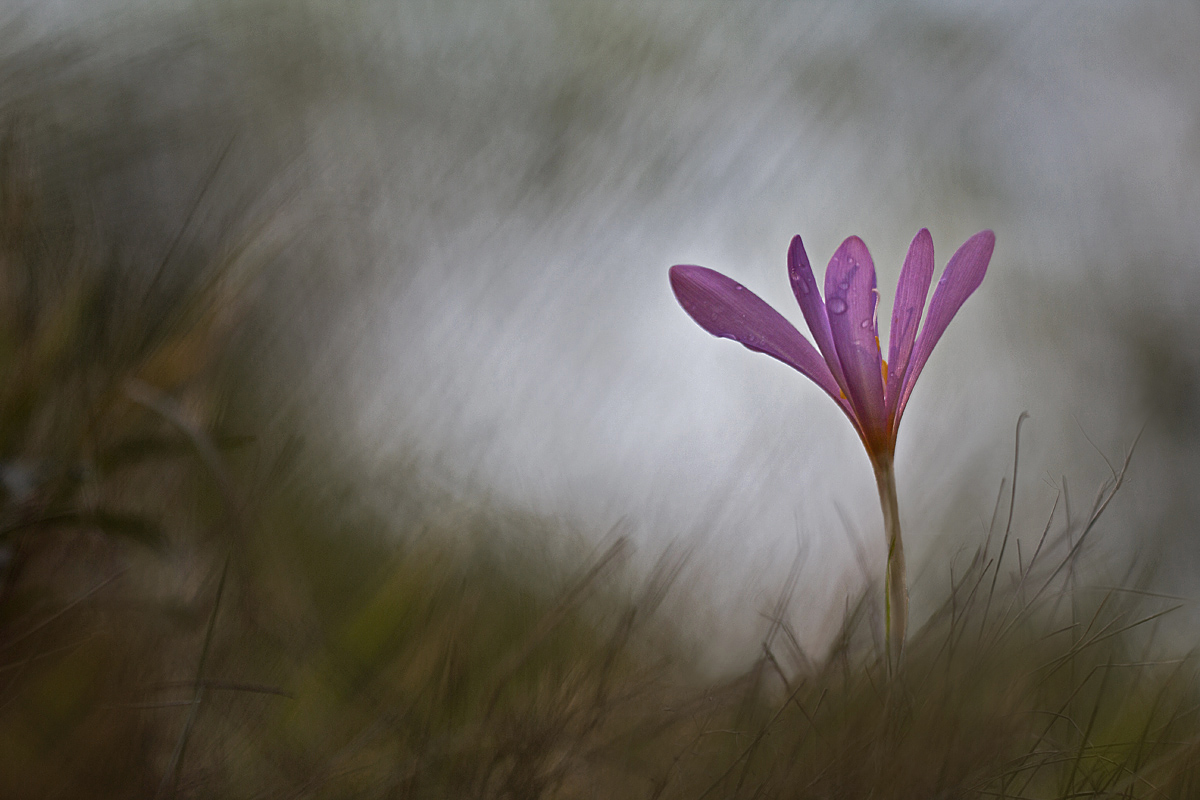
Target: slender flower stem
[{"x": 896, "y": 590}]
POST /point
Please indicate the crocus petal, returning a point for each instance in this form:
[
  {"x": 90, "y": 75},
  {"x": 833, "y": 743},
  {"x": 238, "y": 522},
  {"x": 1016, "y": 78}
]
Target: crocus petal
[
  {"x": 850, "y": 299},
  {"x": 725, "y": 308},
  {"x": 962, "y": 276},
  {"x": 909, "y": 304},
  {"x": 804, "y": 286}
]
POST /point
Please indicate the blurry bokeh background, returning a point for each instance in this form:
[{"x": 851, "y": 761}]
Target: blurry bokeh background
[{"x": 461, "y": 217}]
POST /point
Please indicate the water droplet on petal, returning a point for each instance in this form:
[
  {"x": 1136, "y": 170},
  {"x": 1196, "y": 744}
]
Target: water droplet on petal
[
  {"x": 837, "y": 305},
  {"x": 844, "y": 285},
  {"x": 866, "y": 323}
]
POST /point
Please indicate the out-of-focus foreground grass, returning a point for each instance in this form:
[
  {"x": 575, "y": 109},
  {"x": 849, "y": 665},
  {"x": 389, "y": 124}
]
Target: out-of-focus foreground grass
[{"x": 192, "y": 608}]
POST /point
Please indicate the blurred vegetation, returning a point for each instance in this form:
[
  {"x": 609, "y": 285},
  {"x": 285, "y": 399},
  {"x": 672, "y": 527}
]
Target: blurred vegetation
[
  {"x": 195, "y": 603},
  {"x": 189, "y": 610}
]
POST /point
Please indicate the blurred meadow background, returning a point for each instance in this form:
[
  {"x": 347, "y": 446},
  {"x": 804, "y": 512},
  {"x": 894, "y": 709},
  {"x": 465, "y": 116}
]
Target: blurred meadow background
[{"x": 352, "y": 443}]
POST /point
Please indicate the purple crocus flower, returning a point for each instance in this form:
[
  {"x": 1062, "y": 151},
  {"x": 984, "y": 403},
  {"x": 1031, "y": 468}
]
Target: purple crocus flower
[{"x": 847, "y": 362}]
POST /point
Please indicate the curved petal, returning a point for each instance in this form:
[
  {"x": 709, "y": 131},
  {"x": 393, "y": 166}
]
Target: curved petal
[
  {"x": 804, "y": 286},
  {"x": 725, "y": 308},
  {"x": 961, "y": 277},
  {"x": 911, "y": 291},
  {"x": 850, "y": 300}
]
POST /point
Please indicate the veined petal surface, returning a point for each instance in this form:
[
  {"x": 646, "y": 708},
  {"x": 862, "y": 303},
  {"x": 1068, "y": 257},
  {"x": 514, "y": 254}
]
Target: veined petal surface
[
  {"x": 804, "y": 286},
  {"x": 850, "y": 300},
  {"x": 961, "y": 277},
  {"x": 725, "y": 308},
  {"x": 909, "y": 304}
]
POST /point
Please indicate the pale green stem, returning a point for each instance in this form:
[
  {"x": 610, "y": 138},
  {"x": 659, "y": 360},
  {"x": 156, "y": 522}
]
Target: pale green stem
[{"x": 896, "y": 588}]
